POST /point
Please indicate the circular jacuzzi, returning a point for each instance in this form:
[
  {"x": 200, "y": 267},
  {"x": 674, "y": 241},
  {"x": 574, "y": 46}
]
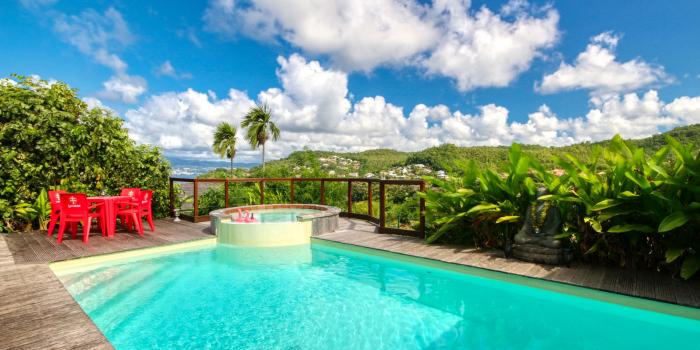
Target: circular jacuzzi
[{"x": 272, "y": 224}]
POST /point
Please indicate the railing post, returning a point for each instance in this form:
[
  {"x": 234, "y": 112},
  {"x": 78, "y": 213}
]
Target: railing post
[
  {"x": 194, "y": 202},
  {"x": 323, "y": 192},
  {"x": 349, "y": 196},
  {"x": 262, "y": 191},
  {"x": 369, "y": 198},
  {"x": 171, "y": 195},
  {"x": 226, "y": 194},
  {"x": 382, "y": 206},
  {"x": 291, "y": 190},
  {"x": 421, "y": 209}
]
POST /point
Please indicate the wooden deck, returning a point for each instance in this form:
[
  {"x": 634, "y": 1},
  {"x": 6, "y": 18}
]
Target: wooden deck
[
  {"x": 644, "y": 284},
  {"x": 37, "y": 247},
  {"x": 36, "y": 311}
]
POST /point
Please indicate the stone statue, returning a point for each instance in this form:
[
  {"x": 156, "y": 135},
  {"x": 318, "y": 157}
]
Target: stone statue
[{"x": 535, "y": 241}]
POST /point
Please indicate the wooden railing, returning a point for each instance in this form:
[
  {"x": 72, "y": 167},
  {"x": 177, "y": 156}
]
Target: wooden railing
[{"x": 381, "y": 221}]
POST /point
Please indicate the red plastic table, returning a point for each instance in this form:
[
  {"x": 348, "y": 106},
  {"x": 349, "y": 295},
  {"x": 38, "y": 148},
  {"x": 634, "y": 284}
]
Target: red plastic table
[{"x": 109, "y": 204}]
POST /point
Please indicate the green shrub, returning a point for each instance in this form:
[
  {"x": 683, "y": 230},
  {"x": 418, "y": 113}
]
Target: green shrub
[{"x": 49, "y": 138}]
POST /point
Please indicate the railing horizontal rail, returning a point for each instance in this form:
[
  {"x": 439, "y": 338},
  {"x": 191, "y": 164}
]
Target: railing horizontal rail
[{"x": 349, "y": 212}]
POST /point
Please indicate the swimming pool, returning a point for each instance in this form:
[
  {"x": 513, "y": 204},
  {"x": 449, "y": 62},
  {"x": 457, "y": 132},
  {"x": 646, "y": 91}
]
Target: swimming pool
[{"x": 321, "y": 297}]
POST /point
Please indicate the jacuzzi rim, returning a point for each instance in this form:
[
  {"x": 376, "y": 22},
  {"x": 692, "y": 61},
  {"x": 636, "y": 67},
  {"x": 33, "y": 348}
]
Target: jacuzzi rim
[{"x": 323, "y": 210}]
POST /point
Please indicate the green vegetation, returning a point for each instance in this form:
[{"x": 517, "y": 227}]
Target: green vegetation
[
  {"x": 225, "y": 142},
  {"x": 50, "y": 139},
  {"x": 260, "y": 128},
  {"x": 620, "y": 205},
  {"x": 449, "y": 157}
]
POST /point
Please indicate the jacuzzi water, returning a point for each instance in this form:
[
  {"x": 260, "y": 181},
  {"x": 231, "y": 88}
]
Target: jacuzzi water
[
  {"x": 317, "y": 297},
  {"x": 279, "y": 215}
]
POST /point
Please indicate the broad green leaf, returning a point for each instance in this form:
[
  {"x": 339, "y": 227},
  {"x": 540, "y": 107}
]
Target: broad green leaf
[
  {"x": 509, "y": 218},
  {"x": 674, "y": 220},
  {"x": 607, "y": 203},
  {"x": 691, "y": 265},
  {"x": 593, "y": 248},
  {"x": 630, "y": 227},
  {"x": 594, "y": 224},
  {"x": 628, "y": 194},
  {"x": 673, "y": 254},
  {"x": 480, "y": 208}
]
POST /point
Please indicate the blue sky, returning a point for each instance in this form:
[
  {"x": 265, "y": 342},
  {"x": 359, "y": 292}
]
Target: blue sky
[{"x": 368, "y": 74}]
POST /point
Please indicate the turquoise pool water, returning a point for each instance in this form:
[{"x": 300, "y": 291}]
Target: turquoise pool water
[
  {"x": 280, "y": 215},
  {"x": 318, "y": 297}
]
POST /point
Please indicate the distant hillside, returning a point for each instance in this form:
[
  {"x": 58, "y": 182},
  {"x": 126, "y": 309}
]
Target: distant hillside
[{"x": 445, "y": 157}]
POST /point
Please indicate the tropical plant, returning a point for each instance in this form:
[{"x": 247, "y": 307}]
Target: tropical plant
[
  {"x": 482, "y": 198},
  {"x": 260, "y": 128},
  {"x": 619, "y": 205},
  {"x": 225, "y": 142},
  {"x": 42, "y": 210},
  {"x": 13, "y": 215}
]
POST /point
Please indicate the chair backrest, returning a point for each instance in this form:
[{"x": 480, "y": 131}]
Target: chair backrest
[
  {"x": 55, "y": 199},
  {"x": 133, "y": 192},
  {"x": 74, "y": 203},
  {"x": 146, "y": 198}
]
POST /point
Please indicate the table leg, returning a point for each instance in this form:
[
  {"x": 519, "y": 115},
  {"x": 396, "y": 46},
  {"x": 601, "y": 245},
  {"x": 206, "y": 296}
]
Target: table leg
[{"x": 112, "y": 220}]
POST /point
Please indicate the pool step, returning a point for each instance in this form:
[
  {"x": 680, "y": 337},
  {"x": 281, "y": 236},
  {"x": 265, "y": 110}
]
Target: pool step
[
  {"x": 95, "y": 295},
  {"x": 129, "y": 298},
  {"x": 86, "y": 283}
]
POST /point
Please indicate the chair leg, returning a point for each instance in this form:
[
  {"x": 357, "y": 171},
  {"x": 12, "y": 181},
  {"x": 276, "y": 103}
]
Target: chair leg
[
  {"x": 61, "y": 228},
  {"x": 149, "y": 218},
  {"x": 74, "y": 230},
  {"x": 103, "y": 229},
  {"x": 52, "y": 225},
  {"x": 137, "y": 223},
  {"x": 86, "y": 229}
]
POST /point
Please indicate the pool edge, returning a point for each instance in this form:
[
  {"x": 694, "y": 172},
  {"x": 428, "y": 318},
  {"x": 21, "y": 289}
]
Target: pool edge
[
  {"x": 73, "y": 265},
  {"x": 534, "y": 282}
]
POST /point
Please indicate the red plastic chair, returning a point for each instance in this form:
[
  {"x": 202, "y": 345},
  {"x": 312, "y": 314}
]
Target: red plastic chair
[
  {"x": 55, "y": 201},
  {"x": 146, "y": 201},
  {"x": 129, "y": 211},
  {"x": 76, "y": 208}
]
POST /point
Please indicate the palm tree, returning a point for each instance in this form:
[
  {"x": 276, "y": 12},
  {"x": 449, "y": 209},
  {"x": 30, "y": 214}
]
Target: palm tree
[
  {"x": 260, "y": 128},
  {"x": 225, "y": 142}
]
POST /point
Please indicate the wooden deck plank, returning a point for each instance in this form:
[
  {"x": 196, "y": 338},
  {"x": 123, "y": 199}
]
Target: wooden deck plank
[{"x": 37, "y": 247}]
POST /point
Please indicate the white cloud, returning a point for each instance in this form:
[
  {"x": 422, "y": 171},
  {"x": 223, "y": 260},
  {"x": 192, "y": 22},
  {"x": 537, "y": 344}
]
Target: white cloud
[
  {"x": 477, "y": 49},
  {"x": 124, "y": 88},
  {"x": 183, "y": 123},
  {"x": 686, "y": 108},
  {"x": 93, "y": 102},
  {"x": 598, "y": 70},
  {"x": 485, "y": 49},
  {"x": 167, "y": 69},
  {"x": 96, "y": 34},
  {"x": 313, "y": 109},
  {"x": 627, "y": 115},
  {"x": 357, "y": 35}
]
